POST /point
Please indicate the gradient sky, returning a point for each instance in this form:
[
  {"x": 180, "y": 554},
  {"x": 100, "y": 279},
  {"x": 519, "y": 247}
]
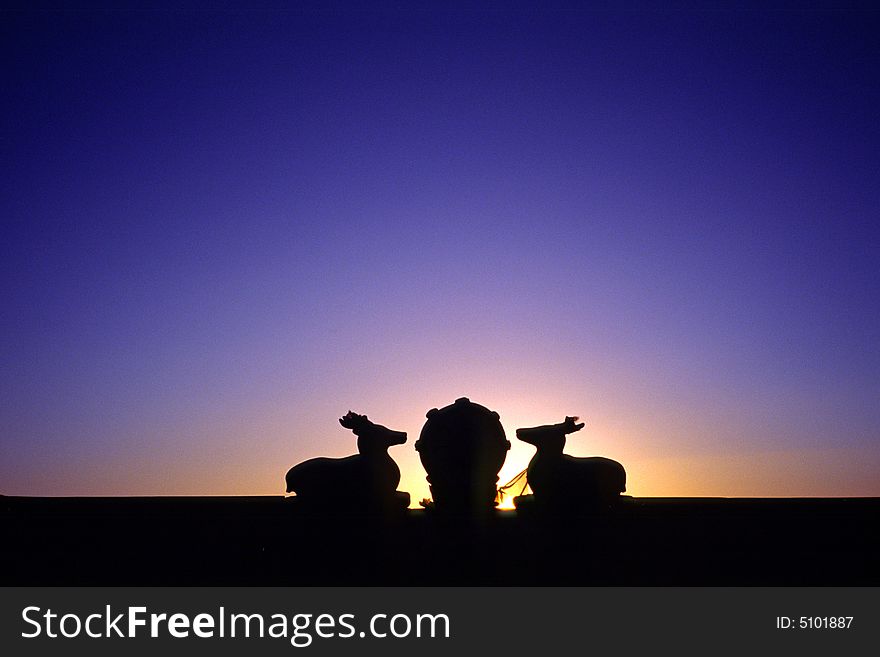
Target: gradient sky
[{"x": 222, "y": 231}]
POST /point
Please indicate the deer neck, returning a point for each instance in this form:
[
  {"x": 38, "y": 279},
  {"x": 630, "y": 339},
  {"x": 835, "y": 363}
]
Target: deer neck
[
  {"x": 546, "y": 455},
  {"x": 553, "y": 450},
  {"x": 374, "y": 452}
]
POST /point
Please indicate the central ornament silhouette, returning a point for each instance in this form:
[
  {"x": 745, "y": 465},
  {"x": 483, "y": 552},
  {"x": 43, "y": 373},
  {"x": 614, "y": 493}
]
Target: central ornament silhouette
[{"x": 462, "y": 447}]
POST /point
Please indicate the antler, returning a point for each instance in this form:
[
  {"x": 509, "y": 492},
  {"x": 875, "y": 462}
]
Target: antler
[{"x": 355, "y": 422}]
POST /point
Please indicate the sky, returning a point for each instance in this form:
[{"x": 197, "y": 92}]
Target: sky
[{"x": 222, "y": 231}]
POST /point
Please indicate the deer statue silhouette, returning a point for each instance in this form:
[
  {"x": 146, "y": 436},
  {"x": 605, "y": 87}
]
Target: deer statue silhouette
[
  {"x": 366, "y": 480},
  {"x": 564, "y": 482}
]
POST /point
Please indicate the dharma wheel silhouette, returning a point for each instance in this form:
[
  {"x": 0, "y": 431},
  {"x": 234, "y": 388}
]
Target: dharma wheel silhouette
[{"x": 462, "y": 447}]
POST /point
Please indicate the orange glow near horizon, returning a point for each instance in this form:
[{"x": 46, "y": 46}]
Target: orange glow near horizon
[
  {"x": 252, "y": 454},
  {"x": 668, "y": 448}
]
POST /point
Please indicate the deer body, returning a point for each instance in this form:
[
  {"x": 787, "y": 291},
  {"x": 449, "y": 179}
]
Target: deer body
[
  {"x": 558, "y": 479},
  {"x": 369, "y": 476}
]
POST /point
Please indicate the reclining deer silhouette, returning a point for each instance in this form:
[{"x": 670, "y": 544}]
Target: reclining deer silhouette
[
  {"x": 366, "y": 479},
  {"x": 561, "y": 481}
]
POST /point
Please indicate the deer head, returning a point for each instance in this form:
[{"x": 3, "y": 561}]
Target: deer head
[
  {"x": 371, "y": 437},
  {"x": 550, "y": 437}
]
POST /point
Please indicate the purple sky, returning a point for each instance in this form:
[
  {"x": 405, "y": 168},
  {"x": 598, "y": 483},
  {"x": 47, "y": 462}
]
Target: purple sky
[{"x": 222, "y": 231}]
